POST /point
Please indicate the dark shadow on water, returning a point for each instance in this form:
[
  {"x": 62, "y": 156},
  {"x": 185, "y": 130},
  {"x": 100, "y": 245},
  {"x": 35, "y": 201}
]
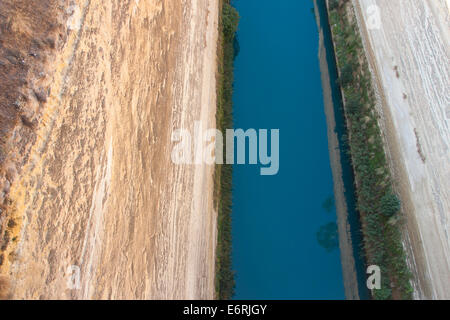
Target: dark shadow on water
[
  {"x": 327, "y": 236},
  {"x": 236, "y": 46},
  {"x": 328, "y": 204}
]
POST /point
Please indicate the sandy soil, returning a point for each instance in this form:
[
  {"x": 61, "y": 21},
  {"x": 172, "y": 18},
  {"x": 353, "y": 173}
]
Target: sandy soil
[
  {"x": 100, "y": 191},
  {"x": 409, "y": 55}
]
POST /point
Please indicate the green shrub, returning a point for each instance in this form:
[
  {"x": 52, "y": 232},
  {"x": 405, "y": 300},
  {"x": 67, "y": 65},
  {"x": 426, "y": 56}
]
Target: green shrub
[
  {"x": 334, "y": 4},
  {"x": 346, "y": 75},
  {"x": 390, "y": 204},
  {"x": 230, "y": 20}
]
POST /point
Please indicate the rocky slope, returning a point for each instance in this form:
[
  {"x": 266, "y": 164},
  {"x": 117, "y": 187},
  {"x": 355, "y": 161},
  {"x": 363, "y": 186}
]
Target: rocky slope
[
  {"x": 94, "y": 187},
  {"x": 409, "y": 56}
]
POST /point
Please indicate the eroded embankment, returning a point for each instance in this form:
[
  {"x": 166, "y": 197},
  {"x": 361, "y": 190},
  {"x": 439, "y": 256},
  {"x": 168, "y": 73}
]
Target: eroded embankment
[
  {"x": 31, "y": 36},
  {"x": 98, "y": 192},
  {"x": 379, "y": 207},
  {"x": 408, "y": 54}
]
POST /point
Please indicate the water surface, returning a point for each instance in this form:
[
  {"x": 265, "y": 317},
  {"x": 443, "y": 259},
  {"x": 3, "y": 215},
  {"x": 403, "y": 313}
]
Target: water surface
[{"x": 276, "y": 219}]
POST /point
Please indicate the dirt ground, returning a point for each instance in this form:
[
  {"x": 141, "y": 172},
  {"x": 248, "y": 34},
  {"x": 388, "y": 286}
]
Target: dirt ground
[
  {"x": 409, "y": 54},
  {"x": 100, "y": 191}
]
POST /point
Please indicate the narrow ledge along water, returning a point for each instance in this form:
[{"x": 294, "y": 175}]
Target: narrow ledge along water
[
  {"x": 351, "y": 238},
  {"x": 279, "y": 220}
]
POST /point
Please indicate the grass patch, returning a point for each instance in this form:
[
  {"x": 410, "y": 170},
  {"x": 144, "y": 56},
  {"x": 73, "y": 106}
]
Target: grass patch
[{"x": 228, "y": 22}]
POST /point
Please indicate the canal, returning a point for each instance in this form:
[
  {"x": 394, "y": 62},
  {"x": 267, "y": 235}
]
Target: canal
[{"x": 285, "y": 242}]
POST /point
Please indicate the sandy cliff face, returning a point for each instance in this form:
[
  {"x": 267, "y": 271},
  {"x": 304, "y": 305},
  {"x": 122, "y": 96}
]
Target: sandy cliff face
[
  {"x": 99, "y": 192},
  {"x": 30, "y": 37},
  {"x": 409, "y": 54}
]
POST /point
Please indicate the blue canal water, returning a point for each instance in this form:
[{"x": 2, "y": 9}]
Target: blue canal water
[{"x": 276, "y": 219}]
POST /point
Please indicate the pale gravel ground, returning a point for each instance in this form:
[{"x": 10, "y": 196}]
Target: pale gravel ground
[
  {"x": 100, "y": 191},
  {"x": 414, "y": 36}
]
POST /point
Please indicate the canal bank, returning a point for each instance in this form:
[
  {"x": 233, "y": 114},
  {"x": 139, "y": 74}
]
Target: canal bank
[
  {"x": 349, "y": 226},
  {"x": 382, "y": 220}
]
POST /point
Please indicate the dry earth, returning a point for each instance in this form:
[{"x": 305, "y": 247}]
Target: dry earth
[
  {"x": 409, "y": 55},
  {"x": 99, "y": 190}
]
